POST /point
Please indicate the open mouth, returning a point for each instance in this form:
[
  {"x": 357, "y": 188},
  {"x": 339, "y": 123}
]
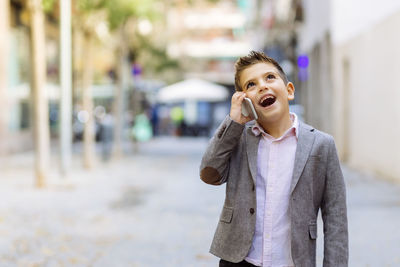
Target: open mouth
[{"x": 267, "y": 101}]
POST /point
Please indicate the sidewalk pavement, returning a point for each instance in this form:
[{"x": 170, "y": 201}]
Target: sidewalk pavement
[{"x": 151, "y": 209}]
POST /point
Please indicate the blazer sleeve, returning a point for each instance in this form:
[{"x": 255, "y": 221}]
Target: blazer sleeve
[
  {"x": 214, "y": 168},
  {"x": 334, "y": 213}
]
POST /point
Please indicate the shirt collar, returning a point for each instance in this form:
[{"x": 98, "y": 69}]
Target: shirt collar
[{"x": 257, "y": 129}]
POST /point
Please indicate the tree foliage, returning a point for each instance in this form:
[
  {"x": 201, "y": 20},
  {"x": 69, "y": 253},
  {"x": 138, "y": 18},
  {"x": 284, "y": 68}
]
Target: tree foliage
[
  {"x": 156, "y": 58},
  {"x": 87, "y": 6},
  {"x": 119, "y": 11},
  {"x": 151, "y": 54},
  {"x": 48, "y": 5}
]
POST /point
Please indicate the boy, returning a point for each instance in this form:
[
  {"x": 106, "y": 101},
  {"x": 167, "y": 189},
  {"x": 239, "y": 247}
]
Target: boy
[{"x": 278, "y": 172}]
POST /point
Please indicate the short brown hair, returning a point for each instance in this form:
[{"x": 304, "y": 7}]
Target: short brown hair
[{"x": 252, "y": 58}]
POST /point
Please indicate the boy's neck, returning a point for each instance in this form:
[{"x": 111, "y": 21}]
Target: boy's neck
[{"x": 277, "y": 128}]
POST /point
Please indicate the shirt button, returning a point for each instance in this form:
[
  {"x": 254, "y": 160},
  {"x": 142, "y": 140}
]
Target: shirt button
[{"x": 251, "y": 210}]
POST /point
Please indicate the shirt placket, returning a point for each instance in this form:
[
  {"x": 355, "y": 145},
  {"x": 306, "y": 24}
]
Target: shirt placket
[{"x": 268, "y": 215}]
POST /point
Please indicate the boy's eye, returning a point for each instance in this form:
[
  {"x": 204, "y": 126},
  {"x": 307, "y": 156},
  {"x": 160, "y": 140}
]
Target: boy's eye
[
  {"x": 250, "y": 84},
  {"x": 270, "y": 76}
]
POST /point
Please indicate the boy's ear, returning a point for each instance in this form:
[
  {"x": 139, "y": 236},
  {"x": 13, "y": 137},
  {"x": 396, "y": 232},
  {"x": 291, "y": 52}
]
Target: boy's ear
[{"x": 290, "y": 89}]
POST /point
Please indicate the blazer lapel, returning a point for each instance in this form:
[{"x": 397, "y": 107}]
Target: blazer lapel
[
  {"x": 252, "y": 149},
  {"x": 304, "y": 145}
]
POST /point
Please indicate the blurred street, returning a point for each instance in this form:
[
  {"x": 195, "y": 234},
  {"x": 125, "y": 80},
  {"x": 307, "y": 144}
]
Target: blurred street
[
  {"x": 151, "y": 209},
  {"x": 145, "y": 210}
]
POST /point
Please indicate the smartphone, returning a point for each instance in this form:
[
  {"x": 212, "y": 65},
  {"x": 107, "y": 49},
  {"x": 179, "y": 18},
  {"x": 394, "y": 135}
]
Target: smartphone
[{"x": 248, "y": 109}]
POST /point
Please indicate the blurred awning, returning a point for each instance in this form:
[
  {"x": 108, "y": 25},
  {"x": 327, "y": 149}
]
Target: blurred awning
[{"x": 192, "y": 90}]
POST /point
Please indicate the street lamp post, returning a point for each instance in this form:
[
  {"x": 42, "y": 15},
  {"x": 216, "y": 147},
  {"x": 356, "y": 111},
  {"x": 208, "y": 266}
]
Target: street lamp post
[{"x": 66, "y": 79}]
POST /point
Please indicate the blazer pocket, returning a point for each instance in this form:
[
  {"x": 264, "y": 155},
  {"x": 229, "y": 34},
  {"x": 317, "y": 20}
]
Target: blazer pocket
[
  {"x": 312, "y": 229},
  {"x": 226, "y": 215}
]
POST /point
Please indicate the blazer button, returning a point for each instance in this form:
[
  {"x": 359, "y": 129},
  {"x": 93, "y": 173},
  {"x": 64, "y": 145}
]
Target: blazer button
[
  {"x": 251, "y": 210},
  {"x": 252, "y": 189}
]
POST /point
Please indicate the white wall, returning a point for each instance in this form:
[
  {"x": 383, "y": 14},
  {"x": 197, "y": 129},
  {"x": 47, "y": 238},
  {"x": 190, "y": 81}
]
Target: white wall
[
  {"x": 344, "y": 19},
  {"x": 317, "y": 23},
  {"x": 314, "y": 40},
  {"x": 352, "y": 17},
  {"x": 365, "y": 99},
  {"x": 372, "y": 94}
]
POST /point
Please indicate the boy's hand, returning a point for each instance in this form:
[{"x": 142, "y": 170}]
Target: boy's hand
[{"x": 236, "y": 108}]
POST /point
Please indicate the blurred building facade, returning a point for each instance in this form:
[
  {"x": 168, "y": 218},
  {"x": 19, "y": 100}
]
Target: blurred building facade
[
  {"x": 207, "y": 37},
  {"x": 349, "y": 88}
]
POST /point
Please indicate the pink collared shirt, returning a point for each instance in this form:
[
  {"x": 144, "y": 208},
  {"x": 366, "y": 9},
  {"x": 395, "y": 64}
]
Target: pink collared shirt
[{"x": 275, "y": 161}]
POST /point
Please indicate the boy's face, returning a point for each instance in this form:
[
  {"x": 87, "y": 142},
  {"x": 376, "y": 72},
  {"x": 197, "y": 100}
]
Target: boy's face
[{"x": 270, "y": 95}]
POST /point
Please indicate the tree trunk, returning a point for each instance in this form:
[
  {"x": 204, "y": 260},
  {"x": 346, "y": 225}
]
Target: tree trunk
[
  {"x": 4, "y": 41},
  {"x": 120, "y": 90},
  {"x": 40, "y": 105},
  {"x": 88, "y": 135}
]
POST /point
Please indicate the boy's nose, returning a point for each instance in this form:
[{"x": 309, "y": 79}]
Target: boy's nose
[{"x": 262, "y": 86}]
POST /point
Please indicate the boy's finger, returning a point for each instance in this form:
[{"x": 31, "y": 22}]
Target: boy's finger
[{"x": 238, "y": 96}]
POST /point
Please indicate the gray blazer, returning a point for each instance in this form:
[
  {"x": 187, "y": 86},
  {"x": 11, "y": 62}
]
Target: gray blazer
[{"x": 317, "y": 183}]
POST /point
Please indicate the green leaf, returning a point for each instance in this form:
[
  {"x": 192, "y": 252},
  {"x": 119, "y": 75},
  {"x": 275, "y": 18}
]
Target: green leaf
[{"x": 48, "y": 5}]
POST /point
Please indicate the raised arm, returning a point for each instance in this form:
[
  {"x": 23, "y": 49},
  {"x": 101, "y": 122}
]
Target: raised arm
[{"x": 214, "y": 166}]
